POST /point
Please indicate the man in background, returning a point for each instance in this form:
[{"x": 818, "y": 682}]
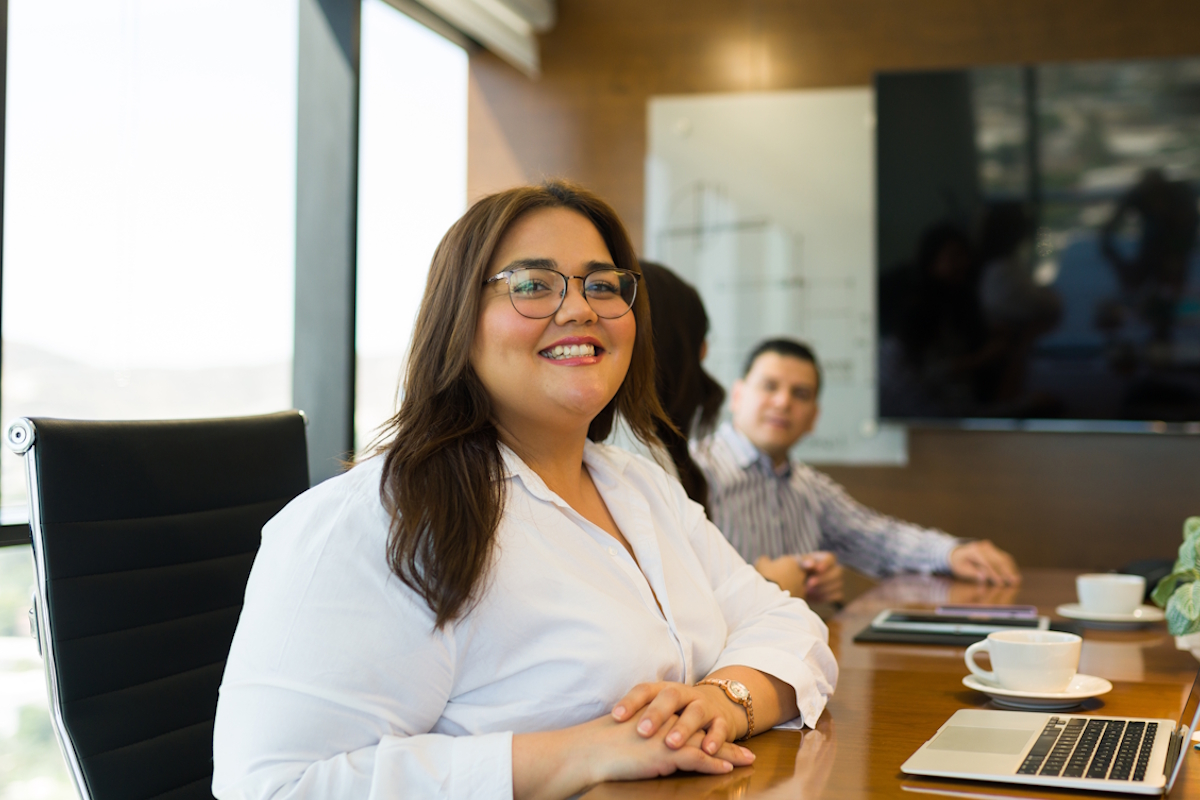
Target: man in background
[{"x": 795, "y": 524}]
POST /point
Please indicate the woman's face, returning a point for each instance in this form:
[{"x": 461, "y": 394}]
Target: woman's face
[{"x": 531, "y": 390}]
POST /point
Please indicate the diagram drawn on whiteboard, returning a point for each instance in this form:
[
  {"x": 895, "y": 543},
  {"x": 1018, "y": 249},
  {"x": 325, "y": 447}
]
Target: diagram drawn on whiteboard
[{"x": 772, "y": 251}]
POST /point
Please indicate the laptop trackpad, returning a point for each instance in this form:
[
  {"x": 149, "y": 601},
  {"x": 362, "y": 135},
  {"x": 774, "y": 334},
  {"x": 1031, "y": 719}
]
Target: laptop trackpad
[{"x": 1006, "y": 741}]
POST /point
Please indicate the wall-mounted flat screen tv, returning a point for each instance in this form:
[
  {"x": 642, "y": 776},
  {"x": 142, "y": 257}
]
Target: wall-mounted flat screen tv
[{"x": 1037, "y": 242}]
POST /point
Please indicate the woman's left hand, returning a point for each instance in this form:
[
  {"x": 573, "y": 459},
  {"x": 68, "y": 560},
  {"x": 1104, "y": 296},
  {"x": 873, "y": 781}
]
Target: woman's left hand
[{"x": 699, "y": 708}]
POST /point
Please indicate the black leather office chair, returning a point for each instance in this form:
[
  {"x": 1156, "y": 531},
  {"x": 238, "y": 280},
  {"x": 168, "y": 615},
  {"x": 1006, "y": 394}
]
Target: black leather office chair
[{"x": 143, "y": 537}]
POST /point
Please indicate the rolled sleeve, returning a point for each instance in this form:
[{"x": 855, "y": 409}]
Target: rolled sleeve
[
  {"x": 452, "y": 767},
  {"x": 809, "y": 681},
  {"x": 427, "y": 765},
  {"x": 482, "y": 766},
  {"x": 769, "y": 630}
]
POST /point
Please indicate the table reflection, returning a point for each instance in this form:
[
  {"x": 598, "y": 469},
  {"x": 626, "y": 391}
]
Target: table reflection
[
  {"x": 790, "y": 764},
  {"x": 930, "y": 590}
]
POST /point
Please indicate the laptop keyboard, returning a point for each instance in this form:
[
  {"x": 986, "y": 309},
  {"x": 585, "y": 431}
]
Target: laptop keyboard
[{"x": 1113, "y": 749}]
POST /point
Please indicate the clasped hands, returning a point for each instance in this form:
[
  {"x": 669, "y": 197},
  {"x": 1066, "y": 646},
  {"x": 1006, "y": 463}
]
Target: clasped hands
[
  {"x": 695, "y": 727},
  {"x": 680, "y": 712},
  {"x": 655, "y": 729}
]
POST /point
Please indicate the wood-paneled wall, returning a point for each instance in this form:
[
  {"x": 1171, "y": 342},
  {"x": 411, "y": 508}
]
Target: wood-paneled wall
[
  {"x": 585, "y": 118},
  {"x": 1074, "y": 500},
  {"x": 1094, "y": 501}
]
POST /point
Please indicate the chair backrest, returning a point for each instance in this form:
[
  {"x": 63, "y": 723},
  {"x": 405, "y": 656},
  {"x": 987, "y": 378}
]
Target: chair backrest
[{"x": 143, "y": 538}]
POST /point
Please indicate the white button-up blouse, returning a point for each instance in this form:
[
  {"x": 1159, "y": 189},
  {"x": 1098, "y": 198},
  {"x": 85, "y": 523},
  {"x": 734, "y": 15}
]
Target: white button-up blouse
[{"x": 338, "y": 685}]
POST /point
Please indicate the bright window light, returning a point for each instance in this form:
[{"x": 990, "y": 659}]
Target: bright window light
[
  {"x": 150, "y": 210},
  {"x": 412, "y": 186},
  {"x": 148, "y": 251}
]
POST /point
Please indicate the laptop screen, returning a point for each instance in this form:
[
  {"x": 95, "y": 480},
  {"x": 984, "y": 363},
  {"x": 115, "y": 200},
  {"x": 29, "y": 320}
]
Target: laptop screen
[
  {"x": 1187, "y": 724},
  {"x": 1188, "y": 717}
]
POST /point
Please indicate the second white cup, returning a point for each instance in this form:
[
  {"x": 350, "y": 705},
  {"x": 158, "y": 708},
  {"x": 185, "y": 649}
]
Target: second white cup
[
  {"x": 1028, "y": 661},
  {"x": 1109, "y": 593}
]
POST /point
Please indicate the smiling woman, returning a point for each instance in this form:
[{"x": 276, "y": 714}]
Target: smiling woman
[
  {"x": 545, "y": 375},
  {"x": 494, "y": 604},
  {"x": 472, "y": 386}
]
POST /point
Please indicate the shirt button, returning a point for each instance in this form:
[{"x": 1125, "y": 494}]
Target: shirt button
[{"x": 612, "y": 551}]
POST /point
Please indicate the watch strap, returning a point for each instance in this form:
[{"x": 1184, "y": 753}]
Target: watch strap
[{"x": 737, "y": 692}]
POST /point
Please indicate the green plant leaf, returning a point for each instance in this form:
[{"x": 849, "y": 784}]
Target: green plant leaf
[
  {"x": 1187, "y": 559},
  {"x": 1191, "y": 543},
  {"x": 1165, "y": 588},
  {"x": 1183, "y": 610},
  {"x": 1189, "y": 549}
]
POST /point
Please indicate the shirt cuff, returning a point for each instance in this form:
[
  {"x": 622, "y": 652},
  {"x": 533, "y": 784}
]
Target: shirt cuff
[
  {"x": 481, "y": 766},
  {"x": 941, "y": 555},
  {"x": 810, "y": 698},
  {"x": 796, "y": 724}
]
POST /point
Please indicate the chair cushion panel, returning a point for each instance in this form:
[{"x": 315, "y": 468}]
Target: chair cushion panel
[
  {"x": 149, "y": 530},
  {"x": 117, "y": 470},
  {"x": 101, "y": 723},
  {"x": 196, "y": 790},
  {"x": 99, "y": 664},
  {"x": 89, "y": 548},
  {"x": 94, "y": 605},
  {"x": 153, "y": 767}
]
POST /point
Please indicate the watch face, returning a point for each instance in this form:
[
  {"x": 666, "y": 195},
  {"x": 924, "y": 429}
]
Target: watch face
[{"x": 739, "y": 690}]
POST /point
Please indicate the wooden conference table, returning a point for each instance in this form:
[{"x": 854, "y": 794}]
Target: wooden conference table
[{"x": 892, "y": 697}]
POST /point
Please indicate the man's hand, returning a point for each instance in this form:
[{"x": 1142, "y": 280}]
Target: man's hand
[
  {"x": 786, "y": 572},
  {"x": 983, "y": 562},
  {"x": 824, "y": 584}
]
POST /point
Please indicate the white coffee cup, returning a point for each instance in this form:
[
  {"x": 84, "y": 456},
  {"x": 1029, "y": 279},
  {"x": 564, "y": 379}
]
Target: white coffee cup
[
  {"x": 1028, "y": 661},
  {"x": 1109, "y": 593}
]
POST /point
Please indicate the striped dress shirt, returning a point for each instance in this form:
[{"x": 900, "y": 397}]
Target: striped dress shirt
[{"x": 795, "y": 509}]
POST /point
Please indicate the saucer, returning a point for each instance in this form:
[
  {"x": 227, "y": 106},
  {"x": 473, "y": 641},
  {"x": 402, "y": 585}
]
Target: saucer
[
  {"x": 1142, "y": 615},
  {"x": 1079, "y": 689}
]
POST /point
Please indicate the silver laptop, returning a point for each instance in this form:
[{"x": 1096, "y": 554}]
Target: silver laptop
[{"x": 1100, "y": 753}]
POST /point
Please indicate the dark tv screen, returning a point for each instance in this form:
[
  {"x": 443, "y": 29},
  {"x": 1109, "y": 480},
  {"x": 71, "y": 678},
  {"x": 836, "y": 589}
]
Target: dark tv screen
[{"x": 1037, "y": 242}]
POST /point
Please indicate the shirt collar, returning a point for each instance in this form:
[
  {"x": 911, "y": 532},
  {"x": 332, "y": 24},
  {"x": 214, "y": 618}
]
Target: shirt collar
[
  {"x": 747, "y": 455},
  {"x": 514, "y": 467},
  {"x": 601, "y": 462}
]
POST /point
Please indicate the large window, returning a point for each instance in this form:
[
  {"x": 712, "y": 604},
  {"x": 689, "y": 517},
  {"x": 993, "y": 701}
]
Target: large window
[
  {"x": 148, "y": 264},
  {"x": 150, "y": 235},
  {"x": 150, "y": 210},
  {"x": 412, "y": 186}
]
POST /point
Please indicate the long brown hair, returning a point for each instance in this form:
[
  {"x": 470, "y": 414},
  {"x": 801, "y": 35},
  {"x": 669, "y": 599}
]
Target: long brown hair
[
  {"x": 443, "y": 476},
  {"x": 690, "y": 396}
]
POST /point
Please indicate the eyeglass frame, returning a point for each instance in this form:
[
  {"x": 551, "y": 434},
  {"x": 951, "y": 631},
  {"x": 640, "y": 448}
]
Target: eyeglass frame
[{"x": 506, "y": 274}]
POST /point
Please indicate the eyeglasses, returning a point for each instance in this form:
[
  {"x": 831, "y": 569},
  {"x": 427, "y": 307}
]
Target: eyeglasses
[{"x": 538, "y": 293}]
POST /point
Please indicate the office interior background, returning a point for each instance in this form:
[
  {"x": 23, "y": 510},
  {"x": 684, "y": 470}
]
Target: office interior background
[{"x": 153, "y": 265}]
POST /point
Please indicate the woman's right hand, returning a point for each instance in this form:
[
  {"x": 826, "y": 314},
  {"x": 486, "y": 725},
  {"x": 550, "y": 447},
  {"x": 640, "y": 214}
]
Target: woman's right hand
[{"x": 557, "y": 764}]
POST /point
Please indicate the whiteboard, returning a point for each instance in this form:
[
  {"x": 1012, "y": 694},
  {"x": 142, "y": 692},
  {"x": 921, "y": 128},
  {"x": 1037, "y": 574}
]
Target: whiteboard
[{"x": 765, "y": 202}]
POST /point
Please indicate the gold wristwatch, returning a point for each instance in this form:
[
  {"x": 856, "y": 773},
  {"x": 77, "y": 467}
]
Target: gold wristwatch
[{"x": 738, "y": 693}]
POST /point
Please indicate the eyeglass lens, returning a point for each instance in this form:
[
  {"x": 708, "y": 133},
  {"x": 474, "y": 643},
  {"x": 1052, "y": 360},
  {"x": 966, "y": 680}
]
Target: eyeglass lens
[{"x": 538, "y": 293}]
